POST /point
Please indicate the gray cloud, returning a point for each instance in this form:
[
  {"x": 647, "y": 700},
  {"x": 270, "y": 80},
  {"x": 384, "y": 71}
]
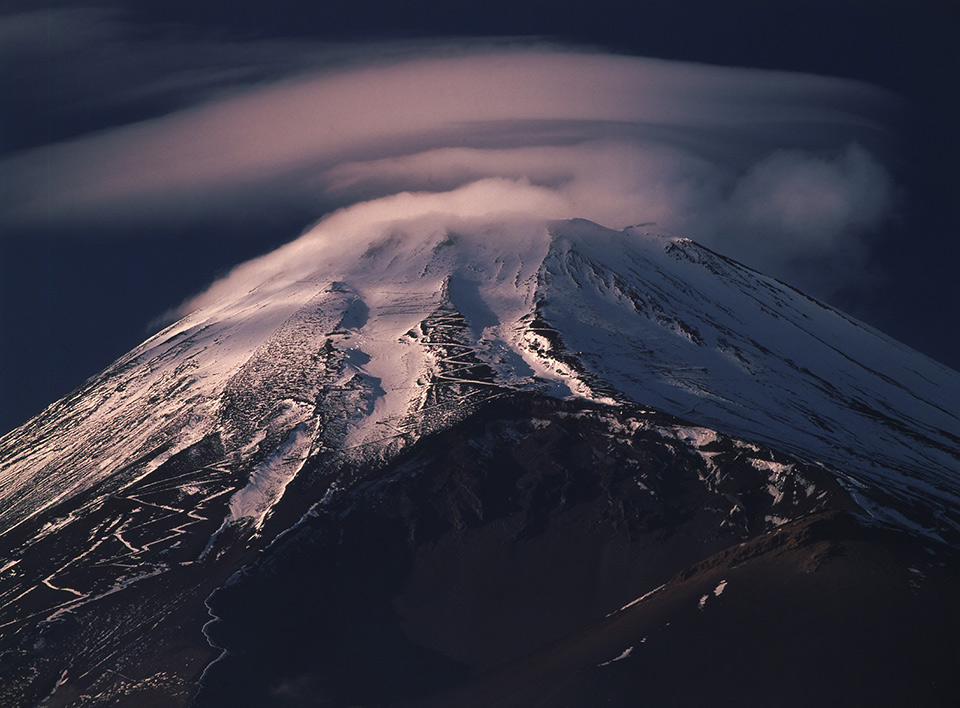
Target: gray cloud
[{"x": 811, "y": 200}]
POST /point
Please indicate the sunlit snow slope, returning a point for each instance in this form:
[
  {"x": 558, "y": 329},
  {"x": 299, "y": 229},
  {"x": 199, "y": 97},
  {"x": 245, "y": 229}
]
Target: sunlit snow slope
[{"x": 357, "y": 344}]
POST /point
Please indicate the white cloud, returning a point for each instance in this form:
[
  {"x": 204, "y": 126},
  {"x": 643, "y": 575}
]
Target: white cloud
[
  {"x": 613, "y": 182},
  {"x": 346, "y": 234},
  {"x": 762, "y": 165}
]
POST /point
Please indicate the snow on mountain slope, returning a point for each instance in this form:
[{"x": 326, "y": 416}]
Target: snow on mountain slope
[
  {"x": 680, "y": 328},
  {"x": 355, "y": 344}
]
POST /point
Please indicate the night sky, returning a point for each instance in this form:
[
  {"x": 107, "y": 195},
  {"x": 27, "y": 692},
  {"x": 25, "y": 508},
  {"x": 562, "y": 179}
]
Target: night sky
[{"x": 81, "y": 283}]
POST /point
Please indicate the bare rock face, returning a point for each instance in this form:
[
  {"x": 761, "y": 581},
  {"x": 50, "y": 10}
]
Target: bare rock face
[
  {"x": 488, "y": 541},
  {"x": 556, "y": 466}
]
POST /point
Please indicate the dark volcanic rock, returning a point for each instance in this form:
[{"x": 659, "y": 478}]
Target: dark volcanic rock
[
  {"x": 488, "y": 542},
  {"x": 822, "y": 611}
]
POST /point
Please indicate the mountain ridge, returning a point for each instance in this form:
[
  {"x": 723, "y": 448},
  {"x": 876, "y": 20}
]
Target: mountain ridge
[
  {"x": 699, "y": 398},
  {"x": 512, "y": 308}
]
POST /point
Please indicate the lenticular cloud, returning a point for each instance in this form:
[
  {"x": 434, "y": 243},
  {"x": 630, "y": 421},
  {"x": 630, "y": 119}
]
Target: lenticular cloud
[{"x": 758, "y": 164}]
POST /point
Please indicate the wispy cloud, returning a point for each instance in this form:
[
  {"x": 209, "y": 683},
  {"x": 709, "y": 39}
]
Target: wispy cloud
[
  {"x": 762, "y": 165},
  {"x": 809, "y": 201}
]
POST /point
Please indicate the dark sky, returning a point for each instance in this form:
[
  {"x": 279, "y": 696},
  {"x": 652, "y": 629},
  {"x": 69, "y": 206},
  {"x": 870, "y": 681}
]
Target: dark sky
[{"x": 75, "y": 294}]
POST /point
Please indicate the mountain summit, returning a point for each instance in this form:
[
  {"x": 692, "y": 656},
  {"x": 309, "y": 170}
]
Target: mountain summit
[{"x": 431, "y": 465}]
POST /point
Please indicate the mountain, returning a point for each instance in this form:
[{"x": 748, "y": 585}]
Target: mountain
[{"x": 509, "y": 464}]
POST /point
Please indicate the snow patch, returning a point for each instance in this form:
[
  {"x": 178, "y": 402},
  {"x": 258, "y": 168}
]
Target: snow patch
[
  {"x": 717, "y": 592},
  {"x": 626, "y": 652},
  {"x": 638, "y": 600},
  {"x": 271, "y": 477},
  {"x": 698, "y": 436},
  {"x": 55, "y": 525}
]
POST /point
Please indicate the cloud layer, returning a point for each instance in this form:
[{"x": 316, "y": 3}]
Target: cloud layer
[{"x": 767, "y": 167}]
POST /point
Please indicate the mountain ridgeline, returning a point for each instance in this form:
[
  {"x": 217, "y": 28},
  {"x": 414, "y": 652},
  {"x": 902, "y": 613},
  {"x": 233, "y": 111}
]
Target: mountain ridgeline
[{"x": 518, "y": 464}]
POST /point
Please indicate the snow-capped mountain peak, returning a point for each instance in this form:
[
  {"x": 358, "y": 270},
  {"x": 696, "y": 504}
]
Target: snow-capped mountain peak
[
  {"x": 384, "y": 338},
  {"x": 442, "y": 375}
]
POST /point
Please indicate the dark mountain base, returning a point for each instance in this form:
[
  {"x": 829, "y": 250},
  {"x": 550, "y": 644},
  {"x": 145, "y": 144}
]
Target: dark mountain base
[
  {"x": 485, "y": 567},
  {"x": 824, "y": 611},
  {"x": 479, "y": 570}
]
